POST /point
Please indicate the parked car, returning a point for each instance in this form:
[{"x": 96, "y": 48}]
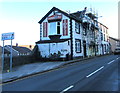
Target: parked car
[{"x": 117, "y": 50}]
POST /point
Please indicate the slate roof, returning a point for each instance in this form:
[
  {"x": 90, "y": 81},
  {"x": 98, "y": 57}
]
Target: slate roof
[
  {"x": 21, "y": 49},
  {"x": 76, "y": 14},
  {"x": 72, "y": 16},
  {"x": 5, "y": 50}
]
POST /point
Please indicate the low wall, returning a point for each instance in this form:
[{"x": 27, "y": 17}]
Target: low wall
[{"x": 17, "y": 61}]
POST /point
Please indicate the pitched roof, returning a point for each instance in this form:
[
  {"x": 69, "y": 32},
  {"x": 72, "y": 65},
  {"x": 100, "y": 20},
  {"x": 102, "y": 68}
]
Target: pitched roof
[
  {"x": 5, "y": 50},
  {"x": 28, "y": 46},
  {"x": 66, "y": 14},
  {"x": 76, "y": 14},
  {"x": 114, "y": 39},
  {"x": 21, "y": 49},
  {"x": 103, "y": 25}
]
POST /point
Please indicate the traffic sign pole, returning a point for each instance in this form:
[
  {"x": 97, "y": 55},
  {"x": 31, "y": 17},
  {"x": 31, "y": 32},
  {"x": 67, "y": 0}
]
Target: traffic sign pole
[
  {"x": 11, "y": 57},
  {"x": 7, "y": 36},
  {"x": 3, "y": 57}
]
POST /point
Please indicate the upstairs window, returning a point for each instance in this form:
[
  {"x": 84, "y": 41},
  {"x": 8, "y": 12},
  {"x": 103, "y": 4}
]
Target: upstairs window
[
  {"x": 54, "y": 28},
  {"x": 101, "y": 36},
  {"x": 58, "y": 27},
  {"x": 45, "y": 29},
  {"x": 77, "y": 28},
  {"x": 65, "y": 27},
  {"x": 104, "y": 37},
  {"x": 84, "y": 30}
]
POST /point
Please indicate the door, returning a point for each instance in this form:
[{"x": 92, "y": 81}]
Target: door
[{"x": 84, "y": 48}]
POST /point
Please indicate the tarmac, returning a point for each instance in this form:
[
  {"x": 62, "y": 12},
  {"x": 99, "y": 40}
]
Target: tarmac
[{"x": 33, "y": 68}]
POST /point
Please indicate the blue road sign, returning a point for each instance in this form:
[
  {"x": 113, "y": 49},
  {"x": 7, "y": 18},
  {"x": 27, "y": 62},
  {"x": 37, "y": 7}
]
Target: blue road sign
[{"x": 8, "y": 36}]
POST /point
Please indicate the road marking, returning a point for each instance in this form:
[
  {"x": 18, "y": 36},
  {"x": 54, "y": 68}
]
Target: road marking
[
  {"x": 67, "y": 89},
  {"x": 95, "y": 71},
  {"x": 111, "y": 62}
]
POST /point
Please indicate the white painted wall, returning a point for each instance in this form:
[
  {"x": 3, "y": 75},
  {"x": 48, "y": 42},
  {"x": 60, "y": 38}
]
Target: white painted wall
[
  {"x": 76, "y": 36},
  {"x": 51, "y": 48},
  {"x": 47, "y": 49},
  {"x": 50, "y": 30}
]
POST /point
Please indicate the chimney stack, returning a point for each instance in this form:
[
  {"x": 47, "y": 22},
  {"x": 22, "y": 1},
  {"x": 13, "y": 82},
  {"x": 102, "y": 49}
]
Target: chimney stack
[{"x": 16, "y": 44}]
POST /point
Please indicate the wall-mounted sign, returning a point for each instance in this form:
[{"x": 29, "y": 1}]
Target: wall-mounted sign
[
  {"x": 54, "y": 18},
  {"x": 64, "y": 50},
  {"x": 7, "y": 36}
]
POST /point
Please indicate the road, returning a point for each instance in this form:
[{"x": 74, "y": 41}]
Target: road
[{"x": 97, "y": 74}]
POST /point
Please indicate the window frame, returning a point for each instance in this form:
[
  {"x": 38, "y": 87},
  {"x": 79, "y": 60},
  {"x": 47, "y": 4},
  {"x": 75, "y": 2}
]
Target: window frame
[
  {"x": 58, "y": 28},
  {"x": 77, "y": 27},
  {"x": 65, "y": 27},
  {"x": 78, "y": 46},
  {"x": 45, "y": 29}
]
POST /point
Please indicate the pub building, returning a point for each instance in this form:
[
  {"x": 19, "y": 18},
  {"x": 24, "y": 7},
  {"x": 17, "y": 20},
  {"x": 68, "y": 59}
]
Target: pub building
[{"x": 69, "y": 35}]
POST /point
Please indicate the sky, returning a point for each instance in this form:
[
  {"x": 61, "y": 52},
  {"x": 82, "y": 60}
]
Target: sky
[{"x": 22, "y": 16}]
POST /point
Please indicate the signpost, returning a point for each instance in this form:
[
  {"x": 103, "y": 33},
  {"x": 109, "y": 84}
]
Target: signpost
[{"x": 7, "y": 36}]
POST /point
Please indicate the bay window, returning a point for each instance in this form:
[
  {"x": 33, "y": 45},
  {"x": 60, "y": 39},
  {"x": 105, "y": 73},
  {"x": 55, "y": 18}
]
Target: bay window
[{"x": 54, "y": 28}]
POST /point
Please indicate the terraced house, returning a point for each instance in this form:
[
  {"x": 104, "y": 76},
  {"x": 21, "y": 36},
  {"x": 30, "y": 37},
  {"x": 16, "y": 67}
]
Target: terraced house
[{"x": 72, "y": 35}]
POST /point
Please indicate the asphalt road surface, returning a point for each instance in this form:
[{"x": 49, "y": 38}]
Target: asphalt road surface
[{"x": 97, "y": 74}]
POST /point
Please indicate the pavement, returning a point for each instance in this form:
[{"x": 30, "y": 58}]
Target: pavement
[
  {"x": 29, "y": 69},
  {"x": 33, "y": 68}
]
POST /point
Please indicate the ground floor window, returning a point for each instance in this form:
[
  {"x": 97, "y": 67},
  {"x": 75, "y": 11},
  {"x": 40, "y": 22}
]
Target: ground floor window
[
  {"x": 78, "y": 46},
  {"x": 105, "y": 47},
  {"x": 96, "y": 48}
]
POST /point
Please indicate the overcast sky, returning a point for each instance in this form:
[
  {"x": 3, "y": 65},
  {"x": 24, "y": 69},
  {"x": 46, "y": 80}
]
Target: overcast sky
[{"x": 22, "y": 16}]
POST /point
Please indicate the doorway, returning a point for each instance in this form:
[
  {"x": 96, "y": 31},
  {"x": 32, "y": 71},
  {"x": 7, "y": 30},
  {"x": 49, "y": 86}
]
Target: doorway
[{"x": 84, "y": 48}]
